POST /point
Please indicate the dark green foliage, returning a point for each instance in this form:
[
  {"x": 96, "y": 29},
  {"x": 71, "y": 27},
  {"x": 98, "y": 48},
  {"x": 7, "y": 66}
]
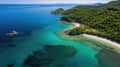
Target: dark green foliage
[
  {"x": 105, "y": 19},
  {"x": 58, "y": 11}
]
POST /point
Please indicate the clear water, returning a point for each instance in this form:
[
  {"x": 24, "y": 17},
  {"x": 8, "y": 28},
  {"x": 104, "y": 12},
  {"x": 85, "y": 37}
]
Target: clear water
[{"x": 42, "y": 27}]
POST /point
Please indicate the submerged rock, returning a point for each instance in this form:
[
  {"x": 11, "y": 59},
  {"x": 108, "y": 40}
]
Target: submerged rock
[
  {"x": 60, "y": 51},
  {"x": 107, "y": 58},
  {"x": 49, "y": 55},
  {"x": 10, "y": 65}
]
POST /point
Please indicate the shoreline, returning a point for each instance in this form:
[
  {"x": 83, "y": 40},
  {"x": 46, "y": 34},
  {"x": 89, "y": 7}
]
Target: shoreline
[
  {"x": 96, "y": 37},
  {"x": 102, "y": 39},
  {"x": 111, "y": 44},
  {"x": 76, "y": 24}
]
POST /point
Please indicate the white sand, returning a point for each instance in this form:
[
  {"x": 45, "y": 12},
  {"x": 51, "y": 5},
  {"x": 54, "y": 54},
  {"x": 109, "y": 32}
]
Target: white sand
[
  {"x": 110, "y": 43},
  {"x": 102, "y": 39},
  {"x": 98, "y": 38},
  {"x": 76, "y": 24}
]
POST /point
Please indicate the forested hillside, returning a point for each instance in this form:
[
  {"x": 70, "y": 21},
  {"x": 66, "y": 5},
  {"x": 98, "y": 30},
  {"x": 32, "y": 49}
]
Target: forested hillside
[
  {"x": 58, "y": 11},
  {"x": 103, "y": 20}
]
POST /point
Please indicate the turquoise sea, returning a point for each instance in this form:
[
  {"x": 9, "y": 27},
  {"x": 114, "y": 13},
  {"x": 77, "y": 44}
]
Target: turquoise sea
[{"x": 37, "y": 28}]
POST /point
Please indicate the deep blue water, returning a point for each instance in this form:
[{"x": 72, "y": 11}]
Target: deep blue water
[
  {"x": 24, "y": 18},
  {"x": 37, "y": 27}
]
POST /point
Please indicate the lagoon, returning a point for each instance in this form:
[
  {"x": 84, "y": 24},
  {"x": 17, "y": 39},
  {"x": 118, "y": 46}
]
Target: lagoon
[{"x": 38, "y": 28}]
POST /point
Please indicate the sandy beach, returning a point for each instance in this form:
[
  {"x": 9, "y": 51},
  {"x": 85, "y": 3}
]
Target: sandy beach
[
  {"x": 102, "y": 39},
  {"x": 76, "y": 24},
  {"x": 98, "y": 38},
  {"x": 112, "y": 44}
]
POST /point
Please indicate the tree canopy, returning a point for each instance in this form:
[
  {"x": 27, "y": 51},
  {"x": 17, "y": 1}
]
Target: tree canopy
[
  {"x": 58, "y": 11},
  {"x": 103, "y": 20}
]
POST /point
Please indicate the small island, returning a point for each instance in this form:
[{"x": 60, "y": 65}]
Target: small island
[{"x": 58, "y": 11}]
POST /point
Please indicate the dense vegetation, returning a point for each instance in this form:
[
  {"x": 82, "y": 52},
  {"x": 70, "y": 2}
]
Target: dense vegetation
[
  {"x": 58, "y": 11},
  {"x": 101, "y": 20}
]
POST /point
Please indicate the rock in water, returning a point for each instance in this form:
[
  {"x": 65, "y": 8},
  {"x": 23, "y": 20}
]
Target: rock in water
[{"x": 13, "y": 33}]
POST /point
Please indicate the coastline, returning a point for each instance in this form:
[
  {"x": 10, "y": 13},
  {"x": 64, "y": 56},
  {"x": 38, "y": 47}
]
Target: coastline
[
  {"x": 110, "y": 45},
  {"x": 103, "y": 39},
  {"x": 114, "y": 46},
  {"x": 76, "y": 24}
]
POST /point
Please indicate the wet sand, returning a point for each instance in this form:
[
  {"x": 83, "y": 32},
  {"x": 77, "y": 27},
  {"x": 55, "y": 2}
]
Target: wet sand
[
  {"x": 109, "y": 52},
  {"x": 108, "y": 44},
  {"x": 114, "y": 45}
]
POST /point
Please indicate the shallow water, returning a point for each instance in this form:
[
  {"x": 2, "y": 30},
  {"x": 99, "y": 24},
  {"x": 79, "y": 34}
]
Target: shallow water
[{"x": 42, "y": 28}]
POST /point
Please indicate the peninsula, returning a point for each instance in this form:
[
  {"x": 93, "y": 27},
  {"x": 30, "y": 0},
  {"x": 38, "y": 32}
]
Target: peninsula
[
  {"x": 103, "y": 20},
  {"x": 101, "y": 23}
]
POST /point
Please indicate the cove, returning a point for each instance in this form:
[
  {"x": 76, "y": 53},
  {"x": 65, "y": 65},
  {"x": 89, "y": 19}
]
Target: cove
[{"x": 41, "y": 28}]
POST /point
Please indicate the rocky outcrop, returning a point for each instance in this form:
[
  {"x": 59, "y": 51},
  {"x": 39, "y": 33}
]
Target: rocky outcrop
[{"x": 13, "y": 33}]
